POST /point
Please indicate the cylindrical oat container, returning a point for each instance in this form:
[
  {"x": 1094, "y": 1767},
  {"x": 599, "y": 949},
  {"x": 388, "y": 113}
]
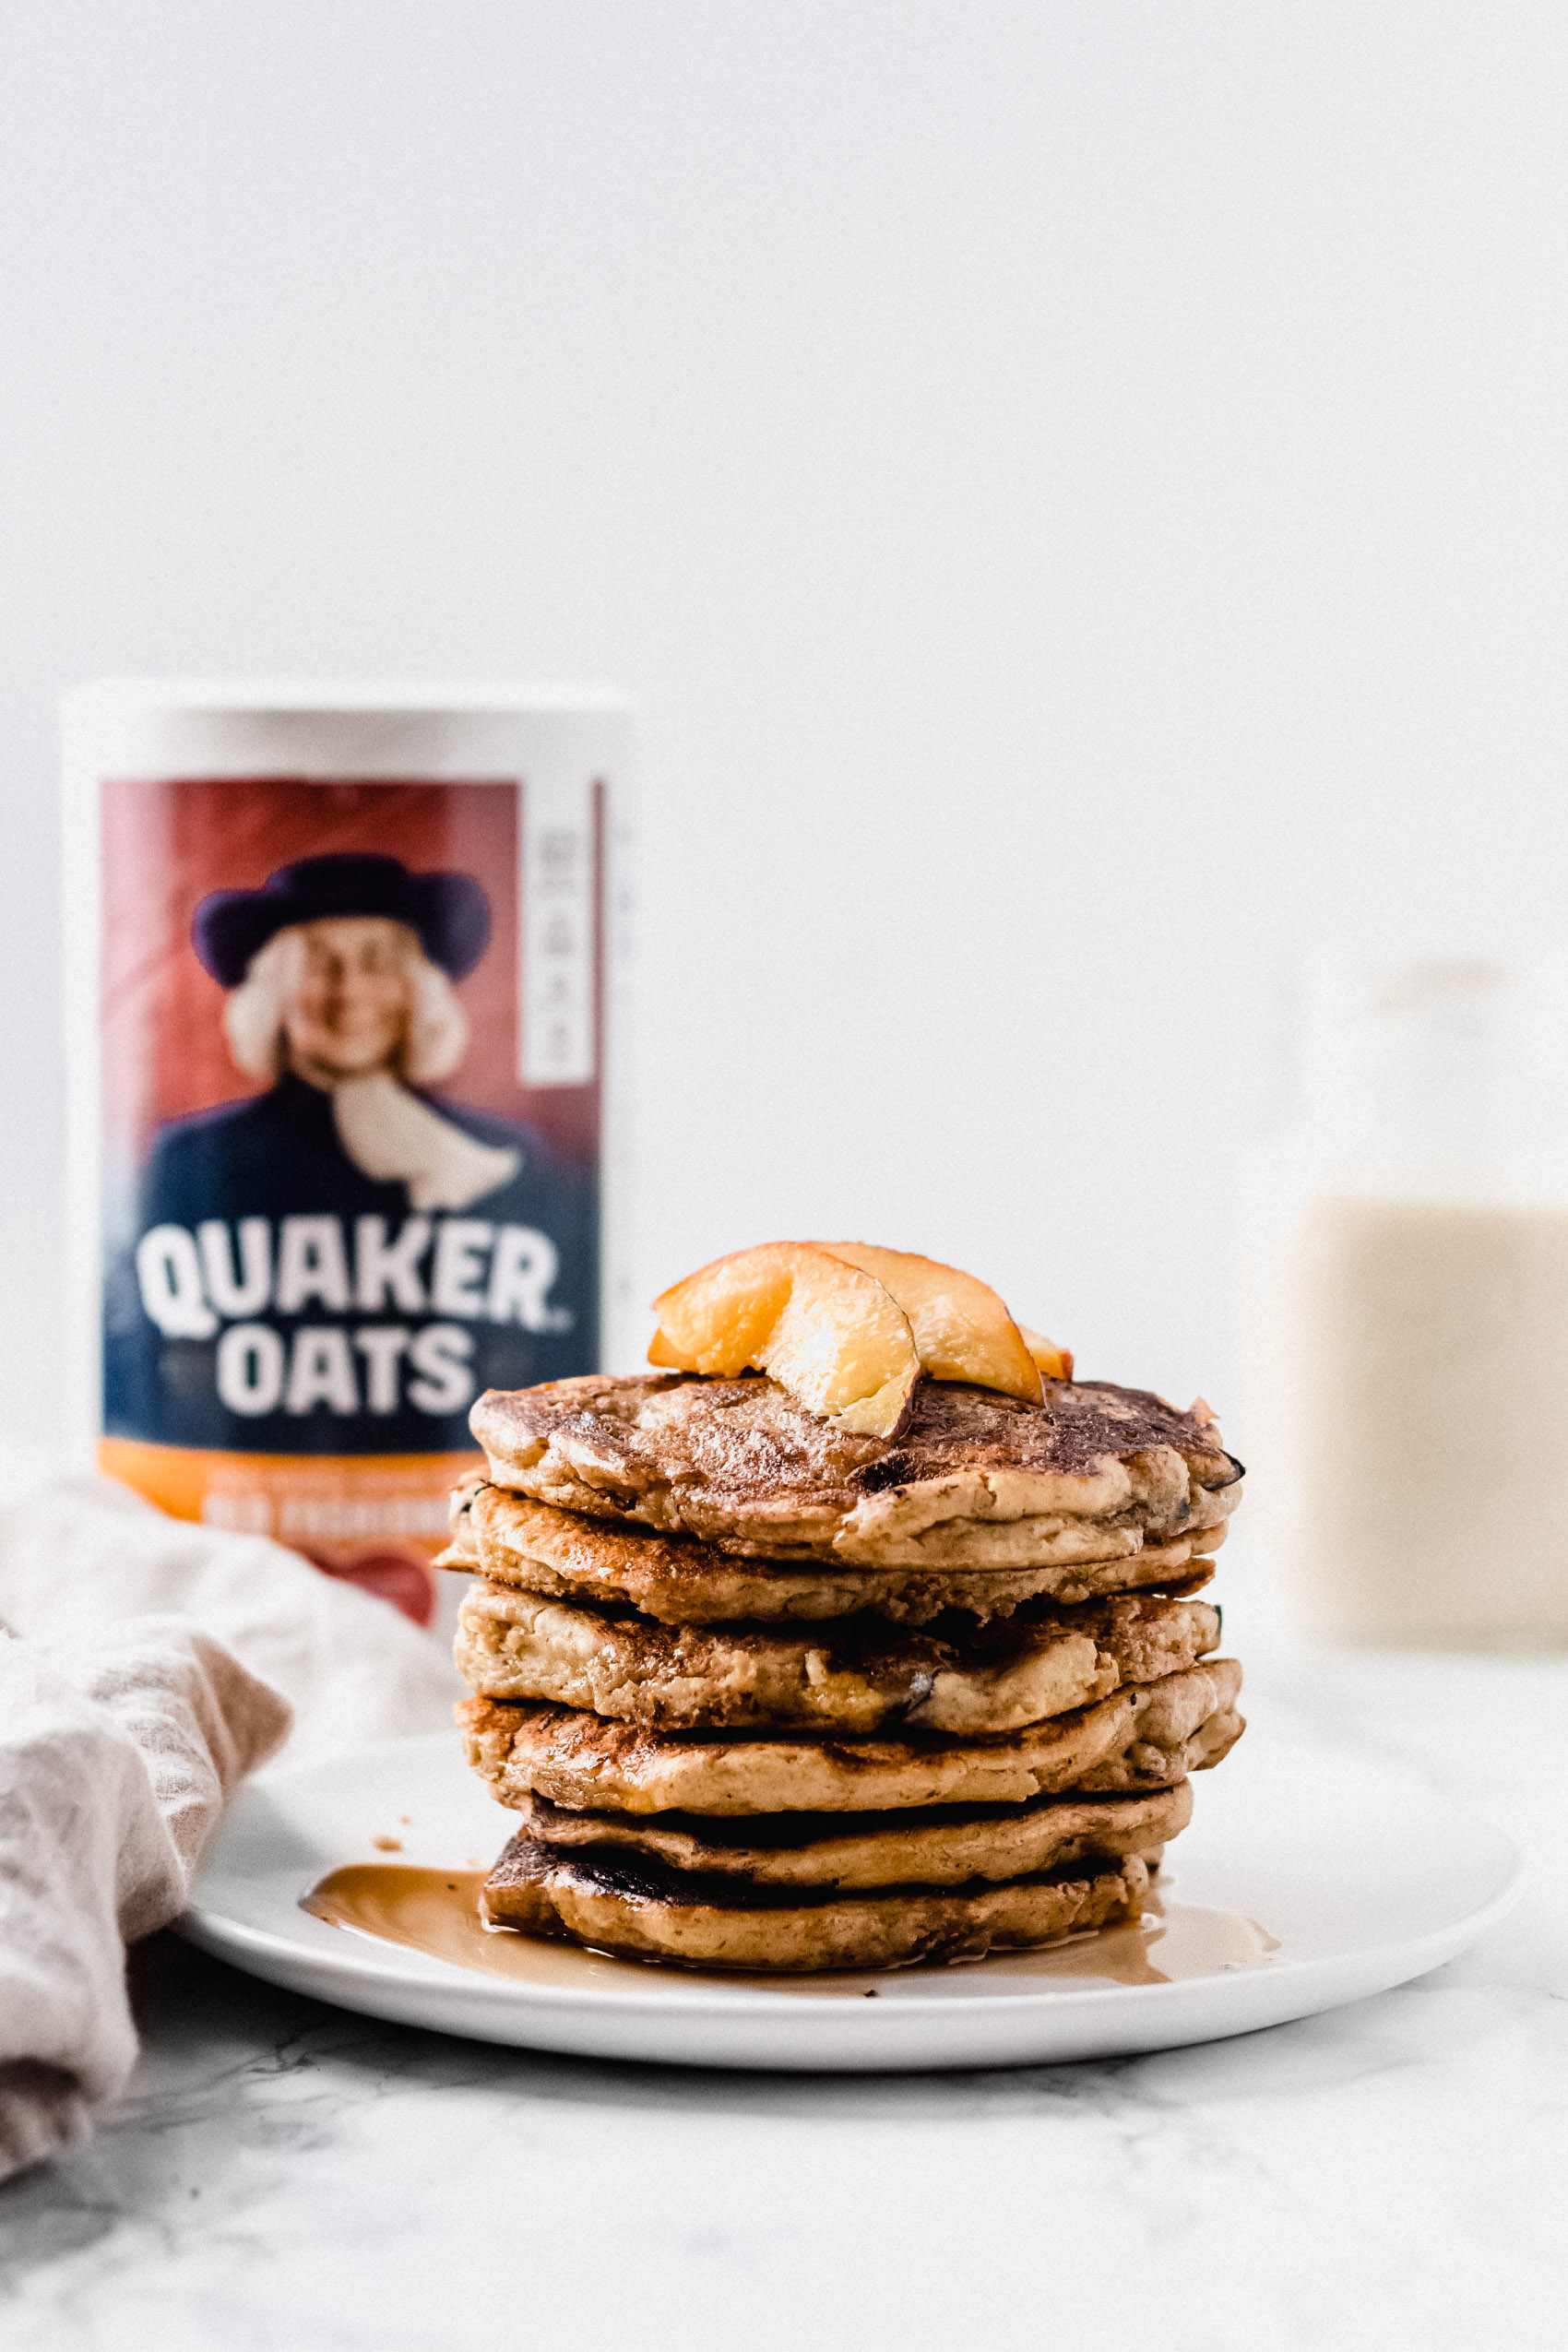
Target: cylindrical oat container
[{"x": 346, "y": 1091}]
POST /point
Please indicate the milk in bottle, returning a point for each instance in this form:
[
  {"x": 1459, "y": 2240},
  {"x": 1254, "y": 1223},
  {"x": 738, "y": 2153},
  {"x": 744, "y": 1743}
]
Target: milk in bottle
[{"x": 1405, "y": 1314}]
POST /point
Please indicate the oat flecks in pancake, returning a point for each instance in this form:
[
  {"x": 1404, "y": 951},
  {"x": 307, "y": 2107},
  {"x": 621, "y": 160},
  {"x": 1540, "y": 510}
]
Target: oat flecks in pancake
[
  {"x": 534, "y": 1547},
  {"x": 941, "y": 1846},
  {"x": 977, "y": 1479},
  {"x": 854, "y": 1676},
  {"x": 1144, "y": 1736},
  {"x": 642, "y": 1911}
]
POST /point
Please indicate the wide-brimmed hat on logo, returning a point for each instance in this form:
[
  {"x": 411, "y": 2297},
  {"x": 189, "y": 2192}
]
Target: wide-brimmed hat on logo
[{"x": 448, "y": 912}]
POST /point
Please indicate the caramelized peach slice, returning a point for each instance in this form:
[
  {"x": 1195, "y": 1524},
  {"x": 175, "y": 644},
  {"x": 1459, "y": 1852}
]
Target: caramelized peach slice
[
  {"x": 1054, "y": 1362},
  {"x": 962, "y": 1330},
  {"x": 825, "y": 1330}
]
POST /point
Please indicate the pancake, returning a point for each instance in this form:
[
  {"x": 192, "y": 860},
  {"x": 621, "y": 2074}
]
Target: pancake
[
  {"x": 941, "y": 1846},
  {"x": 977, "y": 1479},
  {"x": 642, "y": 1910},
  {"x": 858, "y": 1675},
  {"x": 1144, "y": 1736},
  {"x": 536, "y": 1548}
]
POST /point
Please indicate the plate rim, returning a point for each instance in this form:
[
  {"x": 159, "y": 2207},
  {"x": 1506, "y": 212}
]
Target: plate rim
[{"x": 689, "y": 1995}]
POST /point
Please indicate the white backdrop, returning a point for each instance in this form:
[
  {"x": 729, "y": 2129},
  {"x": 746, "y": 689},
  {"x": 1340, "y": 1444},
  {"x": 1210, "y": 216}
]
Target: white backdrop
[{"x": 1076, "y": 490}]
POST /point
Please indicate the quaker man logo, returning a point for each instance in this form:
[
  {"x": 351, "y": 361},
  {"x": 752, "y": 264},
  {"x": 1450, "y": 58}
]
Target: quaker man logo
[
  {"x": 340, "y": 972},
  {"x": 341, "y": 969}
]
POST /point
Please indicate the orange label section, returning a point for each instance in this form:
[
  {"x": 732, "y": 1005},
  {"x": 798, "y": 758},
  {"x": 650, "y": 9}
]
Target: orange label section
[{"x": 334, "y": 1507}]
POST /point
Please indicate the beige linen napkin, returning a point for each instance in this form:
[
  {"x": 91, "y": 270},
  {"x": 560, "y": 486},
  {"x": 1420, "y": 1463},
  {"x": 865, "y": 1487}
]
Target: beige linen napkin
[{"x": 147, "y": 1666}]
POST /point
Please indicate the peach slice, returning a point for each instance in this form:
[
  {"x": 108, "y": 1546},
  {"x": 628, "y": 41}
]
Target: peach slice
[
  {"x": 962, "y": 1330},
  {"x": 1054, "y": 1362},
  {"x": 822, "y": 1328}
]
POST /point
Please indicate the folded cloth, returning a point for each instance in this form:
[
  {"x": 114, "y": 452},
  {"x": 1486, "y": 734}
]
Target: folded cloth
[
  {"x": 115, "y": 1757},
  {"x": 80, "y": 1553},
  {"x": 123, "y": 1727}
]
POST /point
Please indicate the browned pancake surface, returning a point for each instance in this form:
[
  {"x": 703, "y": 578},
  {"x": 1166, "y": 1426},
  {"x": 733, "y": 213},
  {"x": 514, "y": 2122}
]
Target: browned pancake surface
[
  {"x": 856, "y": 1675},
  {"x": 1144, "y": 1736},
  {"x": 938, "y": 1845},
  {"x": 535, "y": 1547},
  {"x": 640, "y": 1910},
  {"x": 1094, "y": 1472}
]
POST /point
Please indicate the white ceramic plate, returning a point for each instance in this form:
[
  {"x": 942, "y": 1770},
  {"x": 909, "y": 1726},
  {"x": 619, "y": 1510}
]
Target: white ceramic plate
[{"x": 1307, "y": 1879}]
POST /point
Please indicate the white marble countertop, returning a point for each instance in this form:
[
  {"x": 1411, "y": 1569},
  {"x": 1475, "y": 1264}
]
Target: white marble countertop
[{"x": 1391, "y": 2174}]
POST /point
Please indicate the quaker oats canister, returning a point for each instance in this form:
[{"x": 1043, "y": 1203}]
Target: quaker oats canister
[{"x": 344, "y": 1027}]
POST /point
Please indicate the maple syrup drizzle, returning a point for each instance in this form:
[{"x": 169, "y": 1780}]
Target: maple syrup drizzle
[{"x": 441, "y": 1912}]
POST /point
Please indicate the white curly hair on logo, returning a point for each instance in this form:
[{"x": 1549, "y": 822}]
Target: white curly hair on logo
[{"x": 253, "y": 1018}]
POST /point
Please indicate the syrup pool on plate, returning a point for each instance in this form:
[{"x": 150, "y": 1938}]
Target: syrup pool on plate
[{"x": 439, "y": 1912}]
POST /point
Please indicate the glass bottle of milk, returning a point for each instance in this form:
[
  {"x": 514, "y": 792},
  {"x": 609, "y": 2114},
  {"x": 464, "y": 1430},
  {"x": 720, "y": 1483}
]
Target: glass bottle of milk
[{"x": 1404, "y": 1312}]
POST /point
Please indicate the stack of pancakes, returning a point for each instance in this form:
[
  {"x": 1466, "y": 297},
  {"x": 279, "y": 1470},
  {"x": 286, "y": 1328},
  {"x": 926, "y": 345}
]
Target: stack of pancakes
[{"x": 768, "y": 1695}]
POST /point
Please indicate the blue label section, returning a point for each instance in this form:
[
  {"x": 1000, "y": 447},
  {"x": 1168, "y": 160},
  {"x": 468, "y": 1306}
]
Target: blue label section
[{"x": 270, "y": 1296}]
